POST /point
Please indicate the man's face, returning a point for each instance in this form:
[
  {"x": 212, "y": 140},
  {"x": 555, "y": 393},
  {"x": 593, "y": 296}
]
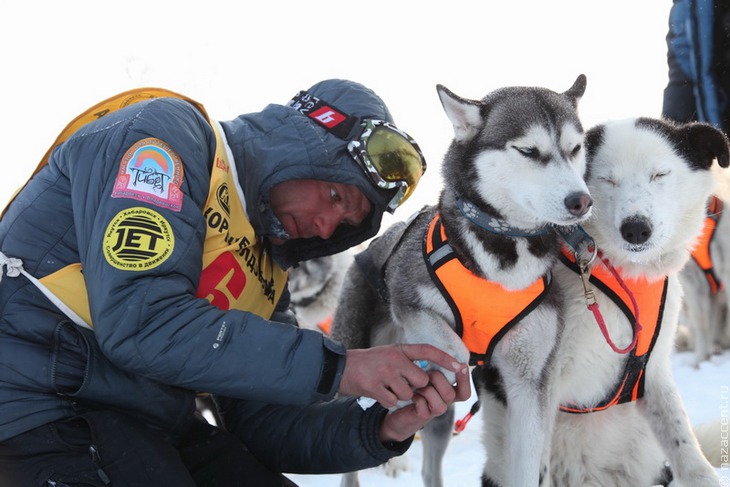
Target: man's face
[{"x": 312, "y": 208}]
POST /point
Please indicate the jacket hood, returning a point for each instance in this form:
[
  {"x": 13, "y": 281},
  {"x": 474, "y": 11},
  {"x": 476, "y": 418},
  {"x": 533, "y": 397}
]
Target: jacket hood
[{"x": 280, "y": 143}]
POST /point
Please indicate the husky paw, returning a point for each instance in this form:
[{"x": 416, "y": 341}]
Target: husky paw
[{"x": 459, "y": 352}]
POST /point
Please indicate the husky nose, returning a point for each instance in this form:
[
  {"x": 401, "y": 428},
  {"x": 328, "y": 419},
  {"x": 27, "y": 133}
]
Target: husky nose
[
  {"x": 578, "y": 204},
  {"x": 636, "y": 230}
]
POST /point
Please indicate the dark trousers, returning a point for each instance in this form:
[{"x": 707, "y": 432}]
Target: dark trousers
[{"x": 104, "y": 448}]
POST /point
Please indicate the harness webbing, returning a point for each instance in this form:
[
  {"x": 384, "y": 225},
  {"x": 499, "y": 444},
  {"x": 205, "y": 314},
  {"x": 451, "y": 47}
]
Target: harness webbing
[
  {"x": 702, "y": 254},
  {"x": 651, "y": 297},
  {"x": 483, "y": 310}
]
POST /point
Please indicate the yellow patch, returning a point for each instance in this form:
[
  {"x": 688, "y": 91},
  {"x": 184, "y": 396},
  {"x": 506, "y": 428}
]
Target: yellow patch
[{"x": 138, "y": 239}]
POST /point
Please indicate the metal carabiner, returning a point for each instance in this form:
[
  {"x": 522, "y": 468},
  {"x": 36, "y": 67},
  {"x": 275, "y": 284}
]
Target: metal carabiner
[{"x": 585, "y": 271}]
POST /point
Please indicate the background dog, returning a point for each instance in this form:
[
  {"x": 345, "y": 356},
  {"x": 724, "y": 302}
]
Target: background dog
[
  {"x": 704, "y": 319},
  {"x": 650, "y": 181},
  {"x": 315, "y": 288},
  {"x": 514, "y": 169}
]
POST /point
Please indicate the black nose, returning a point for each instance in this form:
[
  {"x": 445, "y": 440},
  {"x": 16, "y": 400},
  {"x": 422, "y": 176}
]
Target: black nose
[
  {"x": 636, "y": 230},
  {"x": 578, "y": 204}
]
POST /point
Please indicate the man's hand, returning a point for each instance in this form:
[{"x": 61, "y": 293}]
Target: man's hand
[
  {"x": 428, "y": 402},
  {"x": 388, "y": 373}
]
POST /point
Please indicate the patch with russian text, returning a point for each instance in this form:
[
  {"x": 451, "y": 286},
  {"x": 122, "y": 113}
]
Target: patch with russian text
[
  {"x": 138, "y": 239},
  {"x": 151, "y": 172}
]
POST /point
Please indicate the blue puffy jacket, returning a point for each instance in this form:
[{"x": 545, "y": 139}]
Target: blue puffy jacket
[
  {"x": 698, "y": 57},
  {"x": 150, "y": 350}
]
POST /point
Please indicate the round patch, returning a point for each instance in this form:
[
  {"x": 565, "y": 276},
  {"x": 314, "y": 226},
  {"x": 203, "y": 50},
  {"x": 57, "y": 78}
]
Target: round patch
[{"x": 138, "y": 239}]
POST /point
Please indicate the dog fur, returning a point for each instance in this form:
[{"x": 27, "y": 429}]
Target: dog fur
[
  {"x": 518, "y": 157},
  {"x": 650, "y": 181},
  {"x": 315, "y": 287},
  {"x": 713, "y": 439}
]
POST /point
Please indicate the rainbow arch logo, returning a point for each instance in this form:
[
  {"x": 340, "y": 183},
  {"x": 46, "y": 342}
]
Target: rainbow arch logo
[{"x": 152, "y": 172}]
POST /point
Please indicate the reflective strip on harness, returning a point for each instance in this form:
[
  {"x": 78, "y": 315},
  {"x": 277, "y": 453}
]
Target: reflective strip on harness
[{"x": 484, "y": 311}]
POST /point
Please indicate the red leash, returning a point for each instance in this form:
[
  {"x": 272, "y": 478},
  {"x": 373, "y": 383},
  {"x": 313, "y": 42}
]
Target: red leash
[
  {"x": 593, "y": 307},
  {"x": 460, "y": 424}
]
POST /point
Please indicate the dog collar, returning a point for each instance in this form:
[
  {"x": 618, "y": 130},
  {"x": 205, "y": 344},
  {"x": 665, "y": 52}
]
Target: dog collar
[
  {"x": 492, "y": 223},
  {"x": 580, "y": 242}
]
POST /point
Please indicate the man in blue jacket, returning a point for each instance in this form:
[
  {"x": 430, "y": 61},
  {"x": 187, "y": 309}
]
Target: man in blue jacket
[{"x": 146, "y": 262}]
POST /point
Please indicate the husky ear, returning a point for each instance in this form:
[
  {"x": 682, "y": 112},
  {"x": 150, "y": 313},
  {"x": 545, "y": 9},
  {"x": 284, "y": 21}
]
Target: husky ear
[
  {"x": 706, "y": 143},
  {"x": 575, "y": 93},
  {"x": 465, "y": 115}
]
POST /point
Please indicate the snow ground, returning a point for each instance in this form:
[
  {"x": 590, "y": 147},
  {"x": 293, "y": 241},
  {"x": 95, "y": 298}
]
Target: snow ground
[{"x": 705, "y": 392}]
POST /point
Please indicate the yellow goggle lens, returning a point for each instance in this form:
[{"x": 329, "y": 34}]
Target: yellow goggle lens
[{"x": 395, "y": 158}]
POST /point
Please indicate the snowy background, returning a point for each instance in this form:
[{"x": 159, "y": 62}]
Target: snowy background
[{"x": 58, "y": 58}]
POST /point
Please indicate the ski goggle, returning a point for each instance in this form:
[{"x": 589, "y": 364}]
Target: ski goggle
[{"x": 390, "y": 157}]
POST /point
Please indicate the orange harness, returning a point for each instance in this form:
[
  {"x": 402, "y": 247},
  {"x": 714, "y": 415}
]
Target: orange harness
[
  {"x": 701, "y": 254},
  {"x": 650, "y": 297},
  {"x": 484, "y": 311},
  {"x": 325, "y": 325}
]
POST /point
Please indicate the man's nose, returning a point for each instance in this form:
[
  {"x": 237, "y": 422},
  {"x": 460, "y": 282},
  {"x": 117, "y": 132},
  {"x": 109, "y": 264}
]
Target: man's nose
[{"x": 326, "y": 224}]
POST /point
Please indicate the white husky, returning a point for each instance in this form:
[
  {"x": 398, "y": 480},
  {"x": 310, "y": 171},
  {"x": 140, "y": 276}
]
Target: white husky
[{"x": 650, "y": 181}]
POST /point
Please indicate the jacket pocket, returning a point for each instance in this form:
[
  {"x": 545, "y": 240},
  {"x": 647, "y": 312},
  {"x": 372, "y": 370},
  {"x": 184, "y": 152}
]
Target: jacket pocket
[
  {"x": 69, "y": 359},
  {"x": 81, "y": 372}
]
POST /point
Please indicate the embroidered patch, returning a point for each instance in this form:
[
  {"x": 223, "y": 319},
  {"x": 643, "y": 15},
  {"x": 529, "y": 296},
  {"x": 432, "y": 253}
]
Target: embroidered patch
[
  {"x": 222, "y": 195},
  {"x": 138, "y": 239},
  {"x": 151, "y": 172}
]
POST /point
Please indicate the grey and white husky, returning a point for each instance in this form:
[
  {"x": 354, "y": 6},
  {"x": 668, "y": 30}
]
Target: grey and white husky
[
  {"x": 315, "y": 288},
  {"x": 650, "y": 181},
  {"x": 512, "y": 173}
]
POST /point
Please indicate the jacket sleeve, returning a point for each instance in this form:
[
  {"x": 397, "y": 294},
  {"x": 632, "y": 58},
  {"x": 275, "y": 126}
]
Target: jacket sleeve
[
  {"x": 692, "y": 91},
  {"x": 679, "y": 102},
  {"x": 321, "y": 438},
  {"x": 149, "y": 322}
]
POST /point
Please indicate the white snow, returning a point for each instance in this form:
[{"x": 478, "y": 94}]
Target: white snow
[{"x": 705, "y": 392}]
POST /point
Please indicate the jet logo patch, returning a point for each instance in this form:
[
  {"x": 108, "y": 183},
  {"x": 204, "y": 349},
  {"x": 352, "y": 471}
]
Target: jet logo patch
[{"x": 138, "y": 239}]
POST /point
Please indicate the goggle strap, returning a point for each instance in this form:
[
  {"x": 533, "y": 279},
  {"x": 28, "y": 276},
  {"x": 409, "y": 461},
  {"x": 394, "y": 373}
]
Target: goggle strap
[{"x": 337, "y": 122}]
